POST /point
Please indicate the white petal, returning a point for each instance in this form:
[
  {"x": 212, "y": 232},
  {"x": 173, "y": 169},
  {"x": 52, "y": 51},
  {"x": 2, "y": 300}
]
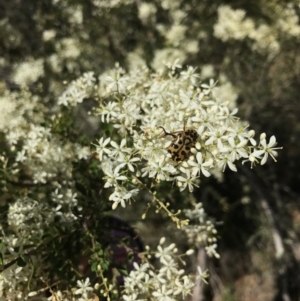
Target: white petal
[
  {"x": 272, "y": 141},
  {"x": 115, "y": 205},
  {"x": 264, "y": 159},
  {"x": 231, "y": 166},
  {"x": 205, "y": 172},
  {"x": 114, "y": 144}
]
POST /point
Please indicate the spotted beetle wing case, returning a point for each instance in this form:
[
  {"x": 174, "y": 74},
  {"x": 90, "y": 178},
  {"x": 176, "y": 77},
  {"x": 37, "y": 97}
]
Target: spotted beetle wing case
[{"x": 181, "y": 145}]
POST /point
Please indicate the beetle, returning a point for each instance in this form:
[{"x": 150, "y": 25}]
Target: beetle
[{"x": 181, "y": 145}]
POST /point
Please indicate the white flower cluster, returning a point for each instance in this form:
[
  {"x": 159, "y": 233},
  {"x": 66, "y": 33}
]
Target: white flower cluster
[
  {"x": 15, "y": 109},
  {"x": 29, "y": 220},
  {"x": 77, "y": 90},
  {"x": 25, "y": 216},
  {"x": 43, "y": 154},
  {"x": 233, "y": 24},
  {"x": 68, "y": 48},
  {"x": 288, "y": 21},
  {"x": 65, "y": 200},
  {"x": 144, "y": 108},
  {"x": 166, "y": 283},
  {"x": 146, "y": 11},
  {"x": 28, "y": 72},
  {"x": 180, "y": 44},
  {"x": 13, "y": 280},
  {"x": 265, "y": 39},
  {"x": 201, "y": 231}
]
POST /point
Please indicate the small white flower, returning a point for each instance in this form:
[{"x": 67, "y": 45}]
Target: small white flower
[
  {"x": 254, "y": 157},
  {"x": 157, "y": 278},
  {"x": 165, "y": 253},
  {"x": 236, "y": 150},
  {"x": 163, "y": 294},
  {"x": 84, "y": 287},
  {"x": 116, "y": 83},
  {"x": 21, "y": 156},
  {"x": 109, "y": 111},
  {"x": 173, "y": 65},
  {"x": 169, "y": 268},
  {"x": 183, "y": 286},
  {"x": 160, "y": 170},
  {"x": 56, "y": 197},
  {"x": 217, "y": 137},
  {"x": 211, "y": 251},
  {"x": 135, "y": 280},
  {"x": 101, "y": 148},
  {"x": 187, "y": 181},
  {"x": 40, "y": 177},
  {"x": 88, "y": 78},
  {"x": 120, "y": 195},
  {"x": 223, "y": 161},
  {"x": 200, "y": 165},
  {"x": 142, "y": 268},
  {"x": 202, "y": 275},
  {"x": 127, "y": 161},
  {"x": 82, "y": 152},
  {"x": 119, "y": 150},
  {"x": 190, "y": 75},
  {"x": 209, "y": 88},
  {"x": 268, "y": 149},
  {"x": 112, "y": 177}
]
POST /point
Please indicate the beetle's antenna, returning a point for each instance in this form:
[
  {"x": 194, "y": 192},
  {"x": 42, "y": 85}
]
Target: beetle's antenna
[
  {"x": 166, "y": 133},
  {"x": 184, "y": 123}
]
